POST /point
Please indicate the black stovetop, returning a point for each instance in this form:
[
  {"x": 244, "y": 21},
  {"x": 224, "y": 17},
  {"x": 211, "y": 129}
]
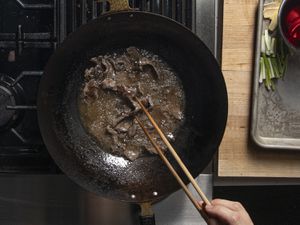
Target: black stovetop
[{"x": 30, "y": 30}]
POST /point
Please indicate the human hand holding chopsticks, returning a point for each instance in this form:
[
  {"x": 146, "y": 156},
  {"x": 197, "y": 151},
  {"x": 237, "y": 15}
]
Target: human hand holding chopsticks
[
  {"x": 221, "y": 212},
  {"x": 225, "y": 212}
]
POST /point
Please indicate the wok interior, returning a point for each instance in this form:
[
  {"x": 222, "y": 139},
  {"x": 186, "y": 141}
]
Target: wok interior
[{"x": 146, "y": 178}]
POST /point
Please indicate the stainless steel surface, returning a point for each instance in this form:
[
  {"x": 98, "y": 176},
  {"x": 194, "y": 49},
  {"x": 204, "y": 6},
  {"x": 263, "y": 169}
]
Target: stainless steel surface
[
  {"x": 276, "y": 115},
  {"x": 208, "y": 24},
  {"x": 55, "y": 200},
  {"x": 177, "y": 208}
]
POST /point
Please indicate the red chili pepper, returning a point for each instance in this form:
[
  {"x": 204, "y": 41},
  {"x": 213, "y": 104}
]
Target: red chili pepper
[{"x": 292, "y": 21}]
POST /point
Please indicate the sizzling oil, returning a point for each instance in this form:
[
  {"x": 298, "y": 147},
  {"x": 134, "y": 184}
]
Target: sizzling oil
[{"x": 158, "y": 81}]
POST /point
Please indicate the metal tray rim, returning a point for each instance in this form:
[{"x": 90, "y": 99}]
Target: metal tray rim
[
  {"x": 257, "y": 139},
  {"x": 265, "y": 142}
]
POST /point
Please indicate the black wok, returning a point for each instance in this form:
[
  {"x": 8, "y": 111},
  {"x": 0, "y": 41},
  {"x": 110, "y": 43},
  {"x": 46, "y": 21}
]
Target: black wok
[{"x": 80, "y": 156}]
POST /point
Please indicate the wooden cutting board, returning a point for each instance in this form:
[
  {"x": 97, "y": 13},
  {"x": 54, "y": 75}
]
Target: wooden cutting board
[{"x": 238, "y": 155}]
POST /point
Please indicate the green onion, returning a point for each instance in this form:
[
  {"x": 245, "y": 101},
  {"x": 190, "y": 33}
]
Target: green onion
[{"x": 273, "y": 60}]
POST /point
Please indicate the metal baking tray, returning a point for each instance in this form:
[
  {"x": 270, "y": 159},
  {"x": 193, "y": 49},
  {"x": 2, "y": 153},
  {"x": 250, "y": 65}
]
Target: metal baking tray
[{"x": 276, "y": 114}]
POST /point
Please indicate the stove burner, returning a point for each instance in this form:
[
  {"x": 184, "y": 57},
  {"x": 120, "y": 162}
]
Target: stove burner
[
  {"x": 10, "y": 96},
  {"x": 6, "y": 98}
]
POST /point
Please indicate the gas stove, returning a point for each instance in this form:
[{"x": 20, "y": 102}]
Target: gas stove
[{"x": 30, "y": 31}]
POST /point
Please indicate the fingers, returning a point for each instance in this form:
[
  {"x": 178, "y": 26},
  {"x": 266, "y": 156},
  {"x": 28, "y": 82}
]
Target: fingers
[
  {"x": 226, "y": 212},
  {"x": 235, "y": 206},
  {"x": 222, "y": 214}
]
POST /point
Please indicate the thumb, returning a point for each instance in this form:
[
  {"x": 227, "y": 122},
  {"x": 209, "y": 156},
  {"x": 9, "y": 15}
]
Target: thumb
[
  {"x": 208, "y": 220},
  {"x": 211, "y": 220}
]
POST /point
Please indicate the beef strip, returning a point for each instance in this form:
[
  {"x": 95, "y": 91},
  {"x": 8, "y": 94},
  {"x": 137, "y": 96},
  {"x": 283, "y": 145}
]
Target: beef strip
[
  {"x": 148, "y": 67},
  {"x": 109, "y": 83},
  {"x": 139, "y": 89},
  {"x": 132, "y": 152},
  {"x": 141, "y": 63},
  {"x": 123, "y": 126},
  {"x": 132, "y": 130},
  {"x": 130, "y": 115},
  {"x": 89, "y": 73},
  {"x": 134, "y": 57},
  {"x": 90, "y": 90},
  {"x": 104, "y": 66},
  {"x": 128, "y": 93},
  {"x": 111, "y": 131}
]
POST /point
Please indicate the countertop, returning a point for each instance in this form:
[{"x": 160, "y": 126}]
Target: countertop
[{"x": 238, "y": 155}]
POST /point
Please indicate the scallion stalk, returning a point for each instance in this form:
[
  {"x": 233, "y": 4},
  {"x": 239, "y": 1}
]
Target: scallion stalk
[{"x": 273, "y": 60}]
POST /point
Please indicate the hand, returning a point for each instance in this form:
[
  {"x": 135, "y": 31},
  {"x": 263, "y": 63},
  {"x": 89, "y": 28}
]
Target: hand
[{"x": 224, "y": 212}]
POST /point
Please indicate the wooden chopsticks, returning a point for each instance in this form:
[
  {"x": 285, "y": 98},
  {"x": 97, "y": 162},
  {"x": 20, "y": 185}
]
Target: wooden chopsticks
[{"x": 177, "y": 158}]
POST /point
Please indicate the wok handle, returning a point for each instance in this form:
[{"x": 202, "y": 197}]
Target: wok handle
[
  {"x": 147, "y": 220},
  {"x": 146, "y": 217},
  {"x": 117, "y": 5}
]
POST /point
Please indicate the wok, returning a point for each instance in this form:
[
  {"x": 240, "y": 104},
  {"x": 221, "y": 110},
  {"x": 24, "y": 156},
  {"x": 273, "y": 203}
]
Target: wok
[{"x": 80, "y": 156}]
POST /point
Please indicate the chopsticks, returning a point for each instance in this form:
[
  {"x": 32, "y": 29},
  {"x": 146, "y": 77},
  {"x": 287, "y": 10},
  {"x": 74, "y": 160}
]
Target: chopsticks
[{"x": 177, "y": 158}]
